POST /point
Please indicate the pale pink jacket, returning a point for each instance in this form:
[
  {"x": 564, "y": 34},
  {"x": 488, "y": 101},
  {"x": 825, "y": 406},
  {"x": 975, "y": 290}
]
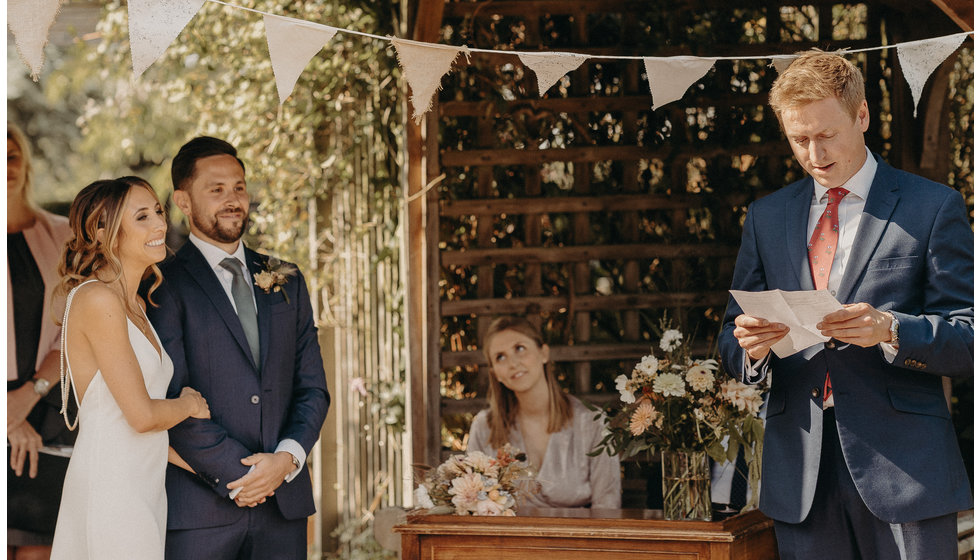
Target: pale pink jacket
[{"x": 46, "y": 239}]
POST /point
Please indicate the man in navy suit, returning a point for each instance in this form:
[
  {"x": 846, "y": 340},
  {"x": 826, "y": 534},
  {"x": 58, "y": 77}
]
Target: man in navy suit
[
  {"x": 242, "y": 489},
  {"x": 860, "y": 459}
]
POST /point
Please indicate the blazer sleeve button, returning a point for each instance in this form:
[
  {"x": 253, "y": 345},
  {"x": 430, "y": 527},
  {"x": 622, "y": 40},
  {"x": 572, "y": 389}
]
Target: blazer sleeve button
[
  {"x": 829, "y": 345},
  {"x": 814, "y": 392},
  {"x": 254, "y": 399}
]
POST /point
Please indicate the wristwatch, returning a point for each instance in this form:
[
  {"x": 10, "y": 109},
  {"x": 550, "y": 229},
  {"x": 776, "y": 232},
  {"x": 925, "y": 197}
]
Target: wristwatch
[
  {"x": 41, "y": 386},
  {"x": 894, "y": 330}
]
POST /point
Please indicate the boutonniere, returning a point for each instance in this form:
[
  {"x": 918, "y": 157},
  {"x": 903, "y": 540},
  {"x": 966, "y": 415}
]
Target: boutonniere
[{"x": 274, "y": 277}]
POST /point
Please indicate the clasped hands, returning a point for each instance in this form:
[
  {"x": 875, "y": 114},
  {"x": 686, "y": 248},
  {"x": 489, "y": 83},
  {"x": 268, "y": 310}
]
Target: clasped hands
[
  {"x": 857, "y": 323},
  {"x": 270, "y": 470}
]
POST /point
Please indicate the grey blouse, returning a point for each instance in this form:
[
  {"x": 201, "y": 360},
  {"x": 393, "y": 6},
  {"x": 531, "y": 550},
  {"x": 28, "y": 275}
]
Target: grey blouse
[{"x": 568, "y": 476}]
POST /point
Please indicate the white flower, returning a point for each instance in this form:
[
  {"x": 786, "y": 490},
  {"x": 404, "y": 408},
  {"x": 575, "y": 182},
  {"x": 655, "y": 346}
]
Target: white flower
[
  {"x": 479, "y": 462},
  {"x": 699, "y": 377},
  {"x": 422, "y": 498},
  {"x": 625, "y": 394},
  {"x": 648, "y": 366},
  {"x": 744, "y": 397},
  {"x": 671, "y": 340},
  {"x": 669, "y": 385}
]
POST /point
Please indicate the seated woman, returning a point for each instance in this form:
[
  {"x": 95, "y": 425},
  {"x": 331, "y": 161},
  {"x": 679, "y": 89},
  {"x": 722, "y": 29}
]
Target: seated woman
[{"x": 529, "y": 410}]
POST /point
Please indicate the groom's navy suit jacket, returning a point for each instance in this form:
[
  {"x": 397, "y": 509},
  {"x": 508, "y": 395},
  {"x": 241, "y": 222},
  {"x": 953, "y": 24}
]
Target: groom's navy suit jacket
[
  {"x": 913, "y": 256},
  {"x": 252, "y": 408}
]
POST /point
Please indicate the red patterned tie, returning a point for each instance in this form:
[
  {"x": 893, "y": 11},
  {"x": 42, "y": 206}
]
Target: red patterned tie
[{"x": 821, "y": 250}]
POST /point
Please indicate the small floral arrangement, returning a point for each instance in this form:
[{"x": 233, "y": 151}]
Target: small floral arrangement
[
  {"x": 476, "y": 484},
  {"x": 274, "y": 277},
  {"x": 677, "y": 403}
]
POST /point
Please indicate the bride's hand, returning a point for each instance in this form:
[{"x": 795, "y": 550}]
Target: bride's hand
[{"x": 199, "y": 405}]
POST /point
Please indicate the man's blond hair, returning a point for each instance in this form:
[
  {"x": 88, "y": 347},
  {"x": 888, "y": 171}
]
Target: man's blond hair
[{"x": 814, "y": 76}]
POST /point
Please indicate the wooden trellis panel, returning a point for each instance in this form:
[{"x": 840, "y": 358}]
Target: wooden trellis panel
[{"x": 589, "y": 212}]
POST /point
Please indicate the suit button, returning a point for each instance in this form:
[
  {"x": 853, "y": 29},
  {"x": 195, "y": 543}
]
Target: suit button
[
  {"x": 815, "y": 392},
  {"x": 829, "y": 345},
  {"x": 255, "y": 399}
]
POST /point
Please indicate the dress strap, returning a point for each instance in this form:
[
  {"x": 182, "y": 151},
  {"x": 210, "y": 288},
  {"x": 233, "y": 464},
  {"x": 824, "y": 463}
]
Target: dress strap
[{"x": 64, "y": 357}]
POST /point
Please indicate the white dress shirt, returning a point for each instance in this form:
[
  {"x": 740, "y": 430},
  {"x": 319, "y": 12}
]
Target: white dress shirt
[
  {"x": 214, "y": 255},
  {"x": 849, "y": 220}
]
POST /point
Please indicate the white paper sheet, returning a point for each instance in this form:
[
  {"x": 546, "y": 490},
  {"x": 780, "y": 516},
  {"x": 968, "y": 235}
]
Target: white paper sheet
[{"x": 800, "y": 311}]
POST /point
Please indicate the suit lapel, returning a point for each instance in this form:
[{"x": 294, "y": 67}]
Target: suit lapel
[
  {"x": 255, "y": 263},
  {"x": 201, "y": 273},
  {"x": 799, "y": 205},
  {"x": 878, "y": 209}
]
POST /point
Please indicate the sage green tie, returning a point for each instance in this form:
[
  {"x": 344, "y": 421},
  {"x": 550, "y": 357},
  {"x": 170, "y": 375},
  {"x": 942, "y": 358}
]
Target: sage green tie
[{"x": 241, "y": 293}]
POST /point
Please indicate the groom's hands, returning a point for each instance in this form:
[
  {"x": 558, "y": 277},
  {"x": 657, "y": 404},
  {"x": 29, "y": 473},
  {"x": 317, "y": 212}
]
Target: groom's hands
[{"x": 268, "y": 471}]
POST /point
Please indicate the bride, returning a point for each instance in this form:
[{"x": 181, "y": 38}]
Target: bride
[{"x": 114, "y": 503}]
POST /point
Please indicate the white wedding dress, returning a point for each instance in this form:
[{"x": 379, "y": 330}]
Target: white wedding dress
[{"x": 114, "y": 504}]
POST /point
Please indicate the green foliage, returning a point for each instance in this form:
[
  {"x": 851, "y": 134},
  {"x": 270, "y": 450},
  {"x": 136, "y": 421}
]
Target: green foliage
[{"x": 216, "y": 79}]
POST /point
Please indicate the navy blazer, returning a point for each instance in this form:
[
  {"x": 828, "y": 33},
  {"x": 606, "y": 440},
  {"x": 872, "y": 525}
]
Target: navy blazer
[
  {"x": 913, "y": 256},
  {"x": 252, "y": 408}
]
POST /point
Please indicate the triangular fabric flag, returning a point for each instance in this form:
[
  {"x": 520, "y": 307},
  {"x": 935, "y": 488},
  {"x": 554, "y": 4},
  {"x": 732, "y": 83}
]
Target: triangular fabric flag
[
  {"x": 292, "y": 43},
  {"x": 919, "y": 59},
  {"x": 550, "y": 67},
  {"x": 30, "y": 21},
  {"x": 782, "y": 61},
  {"x": 153, "y": 25},
  {"x": 424, "y": 65},
  {"x": 669, "y": 77}
]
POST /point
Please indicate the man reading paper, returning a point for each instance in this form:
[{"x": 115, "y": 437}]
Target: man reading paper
[{"x": 860, "y": 459}]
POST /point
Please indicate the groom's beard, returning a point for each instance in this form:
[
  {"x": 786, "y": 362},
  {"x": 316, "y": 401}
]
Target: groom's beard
[{"x": 222, "y": 233}]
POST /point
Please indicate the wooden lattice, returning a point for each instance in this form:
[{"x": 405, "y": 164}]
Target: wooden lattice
[{"x": 589, "y": 212}]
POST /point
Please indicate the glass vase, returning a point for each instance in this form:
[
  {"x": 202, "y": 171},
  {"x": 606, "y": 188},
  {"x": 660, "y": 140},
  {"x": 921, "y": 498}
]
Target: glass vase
[{"x": 686, "y": 485}]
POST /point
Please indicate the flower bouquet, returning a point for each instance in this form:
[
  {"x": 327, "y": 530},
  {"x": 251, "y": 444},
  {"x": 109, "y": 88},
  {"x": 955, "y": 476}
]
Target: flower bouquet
[
  {"x": 689, "y": 411},
  {"x": 476, "y": 484}
]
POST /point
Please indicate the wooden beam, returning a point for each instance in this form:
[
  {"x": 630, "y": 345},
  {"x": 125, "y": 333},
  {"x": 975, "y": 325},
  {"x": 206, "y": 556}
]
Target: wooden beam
[
  {"x": 577, "y": 353},
  {"x": 582, "y": 253},
  {"x": 613, "y": 203},
  {"x": 960, "y": 11},
  {"x": 553, "y": 304},
  {"x": 508, "y": 156}
]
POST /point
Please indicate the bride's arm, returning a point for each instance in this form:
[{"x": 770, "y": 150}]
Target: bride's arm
[
  {"x": 101, "y": 320},
  {"x": 177, "y": 460}
]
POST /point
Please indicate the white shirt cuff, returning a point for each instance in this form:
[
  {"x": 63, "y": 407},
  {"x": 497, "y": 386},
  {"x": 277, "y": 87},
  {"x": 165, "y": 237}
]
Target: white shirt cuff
[
  {"x": 889, "y": 351},
  {"x": 293, "y": 447},
  {"x": 754, "y": 372},
  {"x": 234, "y": 493}
]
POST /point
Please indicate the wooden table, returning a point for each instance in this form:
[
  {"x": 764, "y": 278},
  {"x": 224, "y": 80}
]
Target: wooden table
[{"x": 582, "y": 534}]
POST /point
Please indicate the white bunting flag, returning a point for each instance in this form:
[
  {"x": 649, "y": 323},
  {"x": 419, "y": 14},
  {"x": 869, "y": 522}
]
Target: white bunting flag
[
  {"x": 30, "y": 22},
  {"x": 153, "y": 25},
  {"x": 919, "y": 59},
  {"x": 670, "y": 76},
  {"x": 424, "y": 65},
  {"x": 550, "y": 67},
  {"x": 292, "y": 43},
  {"x": 782, "y": 61}
]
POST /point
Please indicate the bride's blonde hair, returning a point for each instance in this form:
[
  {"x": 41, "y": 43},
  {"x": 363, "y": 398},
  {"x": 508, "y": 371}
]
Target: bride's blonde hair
[{"x": 95, "y": 219}]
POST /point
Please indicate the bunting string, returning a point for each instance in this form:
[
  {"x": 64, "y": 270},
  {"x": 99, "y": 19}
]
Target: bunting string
[{"x": 155, "y": 24}]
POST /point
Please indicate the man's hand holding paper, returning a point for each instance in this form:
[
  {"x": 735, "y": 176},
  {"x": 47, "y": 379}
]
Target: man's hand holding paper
[{"x": 799, "y": 311}]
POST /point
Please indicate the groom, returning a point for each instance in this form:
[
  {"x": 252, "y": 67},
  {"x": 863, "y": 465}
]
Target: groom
[{"x": 251, "y": 349}]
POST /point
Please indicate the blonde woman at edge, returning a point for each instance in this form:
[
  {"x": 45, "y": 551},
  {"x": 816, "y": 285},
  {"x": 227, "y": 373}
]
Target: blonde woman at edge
[
  {"x": 114, "y": 504},
  {"x": 529, "y": 410}
]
